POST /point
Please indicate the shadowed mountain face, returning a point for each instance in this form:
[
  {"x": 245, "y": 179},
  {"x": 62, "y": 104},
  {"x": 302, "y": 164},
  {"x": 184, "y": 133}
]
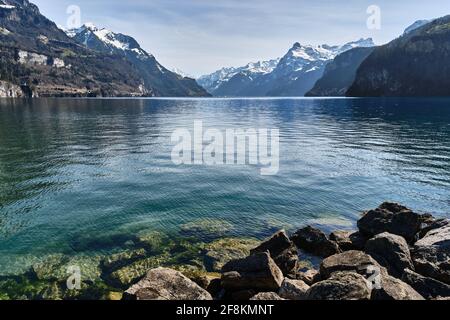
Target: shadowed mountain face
[
  {"x": 37, "y": 58},
  {"x": 416, "y": 64},
  {"x": 293, "y": 75},
  {"x": 340, "y": 73}
]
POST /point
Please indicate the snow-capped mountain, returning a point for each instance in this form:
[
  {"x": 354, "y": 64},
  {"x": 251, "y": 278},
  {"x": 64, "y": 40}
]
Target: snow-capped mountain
[
  {"x": 156, "y": 78},
  {"x": 416, "y": 25},
  {"x": 213, "y": 81},
  {"x": 293, "y": 75}
]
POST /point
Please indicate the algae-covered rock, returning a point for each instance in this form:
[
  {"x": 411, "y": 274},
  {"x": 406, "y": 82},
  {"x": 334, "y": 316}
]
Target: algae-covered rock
[
  {"x": 153, "y": 241},
  {"x": 207, "y": 229},
  {"x": 119, "y": 260},
  {"x": 57, "y": 267},
  {"x": 221, "y": 251}
]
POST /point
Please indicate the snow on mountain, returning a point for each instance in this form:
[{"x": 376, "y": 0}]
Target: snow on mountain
[
  {"x": 280, "y": 76},
  {"x": 181, "y": 73},
  {"x": 416, "y": 25},
  {"x": 91, "y": 36},
  {"x": 213, "y": 81}
]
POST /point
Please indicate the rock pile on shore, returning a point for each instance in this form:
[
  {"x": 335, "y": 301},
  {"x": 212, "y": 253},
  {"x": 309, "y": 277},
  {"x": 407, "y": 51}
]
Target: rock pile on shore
[{"x": 396, "y": 254}]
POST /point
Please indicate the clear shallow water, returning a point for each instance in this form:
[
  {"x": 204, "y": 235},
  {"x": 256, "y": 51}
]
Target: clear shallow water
[{"x": 81, "y": 176}]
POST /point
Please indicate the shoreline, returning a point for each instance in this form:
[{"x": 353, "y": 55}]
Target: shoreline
[{"x": 222, "y": 269}]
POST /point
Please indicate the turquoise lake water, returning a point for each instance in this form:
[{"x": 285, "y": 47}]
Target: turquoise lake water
[{"x": 81, "y": 176}]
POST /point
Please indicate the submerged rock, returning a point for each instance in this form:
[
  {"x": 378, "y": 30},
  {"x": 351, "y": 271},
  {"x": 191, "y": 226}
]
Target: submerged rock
[
  {"x": 207, "y": 229},
  {"x": 341, "y": 286},
  {"x": 154, "y": 242},
  {"x": 431, "y": 254},
  {"x": 390, "y": 251},
  {"x": 293, "y": 290},
  {"x": 219, "y": 252},
  {"x": 258, "y": 272},
  {"x": 392, "y": 218},
  {"x": 427, "y": 287},
  {"x": 315, "y": 242},
  {"x": 166, "y": 284},
  {"x": 119, "y": 260},
  {"x": 282, "y": 250},
  {"x": 267, "y": 296}
]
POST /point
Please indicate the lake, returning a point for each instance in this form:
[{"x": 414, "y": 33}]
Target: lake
[{"x": 80, "y": 176}]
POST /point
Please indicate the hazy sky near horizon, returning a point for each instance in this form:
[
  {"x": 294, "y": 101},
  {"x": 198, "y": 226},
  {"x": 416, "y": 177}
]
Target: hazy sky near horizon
[{"x": 201, "y": 36}]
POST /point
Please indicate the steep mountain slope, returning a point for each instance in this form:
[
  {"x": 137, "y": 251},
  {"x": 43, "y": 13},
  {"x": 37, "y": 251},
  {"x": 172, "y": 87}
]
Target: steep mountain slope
[
  {"x": 161, "y": 81},
  {"x": 294, "y": 75},
  {"x": 340, "y": 73},
  {"x": 39, "y": 57},
  {"x": 416, "y": 64}
]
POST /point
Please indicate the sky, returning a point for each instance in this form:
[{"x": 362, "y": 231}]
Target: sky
[{"x": 201, "y": 36}]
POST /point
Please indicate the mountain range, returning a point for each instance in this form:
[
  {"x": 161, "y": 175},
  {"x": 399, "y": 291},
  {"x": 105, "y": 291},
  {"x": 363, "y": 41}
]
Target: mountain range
[
  {"x": 292, "y": 75},
  {"x": 39, "y": 59}
]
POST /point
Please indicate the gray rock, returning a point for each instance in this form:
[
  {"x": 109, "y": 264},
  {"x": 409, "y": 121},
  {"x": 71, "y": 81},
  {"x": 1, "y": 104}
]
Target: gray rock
[
  {"x": 431, "y": 254},
  {"x": 258, "y": 272},
  {"x": 392, "y": 218},
  {"x": 427, "y": 287},
  {"x": 267, "y": 296},
  {"x": 282, "y": 250},
  {"x": 309, "y": 277},
  {"x": 341, "y": 286},
  {"x": 394, "y": 289},
  {"x": 390, "y": 251},
  {"x": 348, "y": 240},
  {"x": 354, "y": 261},
  {"x": 314, "y": 241},
  {"x": 432, "y": 225},
  {"x": 293, "y": 290},
  {"x": 166, "y": 284}
]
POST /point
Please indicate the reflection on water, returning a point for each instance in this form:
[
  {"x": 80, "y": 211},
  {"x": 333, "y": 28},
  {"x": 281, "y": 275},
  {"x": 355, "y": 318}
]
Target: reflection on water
[{"x": 77, "y": 172}]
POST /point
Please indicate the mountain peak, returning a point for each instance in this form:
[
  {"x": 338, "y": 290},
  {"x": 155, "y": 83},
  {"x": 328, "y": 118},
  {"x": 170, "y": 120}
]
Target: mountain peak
[{"x": 416, "y": 25}]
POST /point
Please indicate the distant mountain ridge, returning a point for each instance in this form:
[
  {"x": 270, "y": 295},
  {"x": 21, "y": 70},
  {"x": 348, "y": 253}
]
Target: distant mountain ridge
[{"x": 292, "y": 75}]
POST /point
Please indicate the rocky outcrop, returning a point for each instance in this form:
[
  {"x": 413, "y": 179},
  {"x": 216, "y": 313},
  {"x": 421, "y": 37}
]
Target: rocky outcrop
[
  {"x": 166, "y": 284},
  {"x": 392, "y": 218},
  {"x": 282, "y": 250},
  {"x": 9, "y": 90},
  {"x": 390, "y": 251},
  {"x": 258, "y": 272},
  {"x": 293, "y": 289},
  {"x": 341, "y": 286},
  {"x": 427, "y": 287},
  {"x": 315, "y": 242},
  {"x": 431, "y": 254}
]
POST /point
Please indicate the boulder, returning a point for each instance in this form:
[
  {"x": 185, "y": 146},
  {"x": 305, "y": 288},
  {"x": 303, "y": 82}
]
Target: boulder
[
  {"x": 390, "y": 251},
  {"x": 394, "y": 289},
  {"x": 314, "y": 241},
  {"x": 258, "y": 272},
  {"x": 354, "y": 261},
  {"x": 166, "y": 284},
  {"x": 267, "y": 296},
  {"x": 427, "y": 287},
  {"x": 309, "y": 277},
  {"x": 392, "y": 218},
  {"x": 431, "y": 254},
  {"x": 341, "y": 286},
  {"x": 432, "y": 225},
  {"x": 348, "y": 240},
  {"x": 293, "y": 290},
  {"x": 282, "y": 250}
]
